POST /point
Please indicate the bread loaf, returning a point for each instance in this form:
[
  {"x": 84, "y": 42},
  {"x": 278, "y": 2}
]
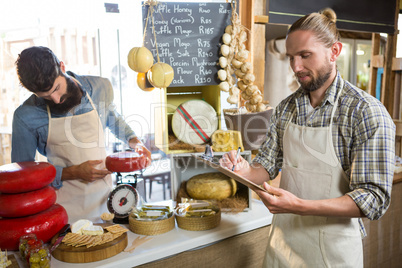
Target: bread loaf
[{"x": 214, "y": 185}]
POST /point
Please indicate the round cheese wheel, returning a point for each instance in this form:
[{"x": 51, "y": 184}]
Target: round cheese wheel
[
  {"x": 160, "y": 75},
  {"x": 126, "y": 162},
  {"x": 140, "y": 59},
  {"x": 143, "y": 82},
  {"x": 28, "y": 203},
  {"x": 44, "y": 224},
  {"x": 214, "y": 185},
  {"x": 194, "y": 122},
  {"x": 27, "y": 176}
]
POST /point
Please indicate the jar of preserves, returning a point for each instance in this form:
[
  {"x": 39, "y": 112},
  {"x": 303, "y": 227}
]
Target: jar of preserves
[
  {"x": 40, "y": 258},
  {"x": 24, "y": 242},
  {"x": 32, "y": 247}
]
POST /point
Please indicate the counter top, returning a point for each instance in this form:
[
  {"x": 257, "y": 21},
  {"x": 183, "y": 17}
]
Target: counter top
[{"x": 179, "y": 240}]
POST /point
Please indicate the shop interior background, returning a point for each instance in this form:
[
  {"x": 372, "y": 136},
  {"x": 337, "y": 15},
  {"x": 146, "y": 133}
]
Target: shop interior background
[{"x": 92, "y": 41}]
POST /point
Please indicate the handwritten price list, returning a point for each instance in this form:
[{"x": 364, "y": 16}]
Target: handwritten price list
[{"x": 188, "y": 37}]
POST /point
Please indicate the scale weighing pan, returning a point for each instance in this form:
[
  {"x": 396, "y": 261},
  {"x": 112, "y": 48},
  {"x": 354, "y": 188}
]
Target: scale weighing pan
[{"x": 126, "y": 161}]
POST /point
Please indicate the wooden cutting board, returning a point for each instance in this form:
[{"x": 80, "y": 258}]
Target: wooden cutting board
[
  {"x": 14, "y": 262},
  {"x": 83, "y": 254}
]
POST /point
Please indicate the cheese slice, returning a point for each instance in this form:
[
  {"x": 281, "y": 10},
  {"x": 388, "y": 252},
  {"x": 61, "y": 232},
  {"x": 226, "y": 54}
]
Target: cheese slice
[
  {"x": 79, "y": 225},
  {"x": 93, "y": 230}
]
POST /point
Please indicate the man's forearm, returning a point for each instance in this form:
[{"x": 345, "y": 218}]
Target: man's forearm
[
  {"x": 343, "y": 206},
  {"x": 256, "y": 173}
]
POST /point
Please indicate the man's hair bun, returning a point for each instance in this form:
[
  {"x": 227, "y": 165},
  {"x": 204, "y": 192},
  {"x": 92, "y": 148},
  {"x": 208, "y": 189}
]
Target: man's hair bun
[{"x": 329, "y": 13}]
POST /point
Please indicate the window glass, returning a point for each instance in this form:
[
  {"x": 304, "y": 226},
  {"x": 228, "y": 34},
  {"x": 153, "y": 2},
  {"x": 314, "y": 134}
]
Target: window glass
[{"x": 89, "y": 40}]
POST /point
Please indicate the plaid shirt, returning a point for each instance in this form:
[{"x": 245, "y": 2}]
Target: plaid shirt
[{"x": 363, "y": 135}]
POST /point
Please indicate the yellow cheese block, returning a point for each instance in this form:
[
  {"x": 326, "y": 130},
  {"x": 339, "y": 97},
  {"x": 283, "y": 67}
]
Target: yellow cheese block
[
  {"x": 226, "y": 140},
  {"x": 213, "y": 185}
]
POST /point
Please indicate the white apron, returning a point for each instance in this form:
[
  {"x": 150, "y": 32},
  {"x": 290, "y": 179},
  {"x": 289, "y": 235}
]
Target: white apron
[
  {"x": 71, "y": 141},
  {"x": 311, "y": 170}
]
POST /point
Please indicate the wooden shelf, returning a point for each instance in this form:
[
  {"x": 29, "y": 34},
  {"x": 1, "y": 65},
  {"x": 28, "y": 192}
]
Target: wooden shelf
[
  {"x": 397, "y": 64},
  {"x": 261, "y": 19},
  {"x": 397, "y": 178}
]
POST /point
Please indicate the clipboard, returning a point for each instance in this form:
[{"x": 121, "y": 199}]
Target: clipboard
[{"x": 208, "y": 160}]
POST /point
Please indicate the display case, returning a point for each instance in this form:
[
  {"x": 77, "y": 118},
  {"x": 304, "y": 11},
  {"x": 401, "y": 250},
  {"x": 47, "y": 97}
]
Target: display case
[{"x": 185, "y": 165}]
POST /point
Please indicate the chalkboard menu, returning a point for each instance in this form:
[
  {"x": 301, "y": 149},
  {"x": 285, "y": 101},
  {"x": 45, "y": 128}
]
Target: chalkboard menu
[{"x": 188, "y": 37}]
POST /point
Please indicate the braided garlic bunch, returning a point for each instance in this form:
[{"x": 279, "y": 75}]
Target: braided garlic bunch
[{"x": 233, "y": 62}]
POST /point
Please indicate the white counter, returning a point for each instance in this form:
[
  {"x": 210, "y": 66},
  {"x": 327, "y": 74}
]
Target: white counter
[{"x": 179, "y": 240}]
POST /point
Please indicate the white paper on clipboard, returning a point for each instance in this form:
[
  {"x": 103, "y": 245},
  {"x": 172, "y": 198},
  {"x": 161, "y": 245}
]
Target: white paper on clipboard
[{"x": 231, "y": 174}]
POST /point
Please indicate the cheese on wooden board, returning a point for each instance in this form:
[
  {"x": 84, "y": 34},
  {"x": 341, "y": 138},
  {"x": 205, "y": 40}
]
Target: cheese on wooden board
[
  {"x": 79, "y": 225},
  {"x": 93, "y": 230}
]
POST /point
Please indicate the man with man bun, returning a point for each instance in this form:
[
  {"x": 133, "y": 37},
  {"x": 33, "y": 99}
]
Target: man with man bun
[{"x": 335, "y": 146}]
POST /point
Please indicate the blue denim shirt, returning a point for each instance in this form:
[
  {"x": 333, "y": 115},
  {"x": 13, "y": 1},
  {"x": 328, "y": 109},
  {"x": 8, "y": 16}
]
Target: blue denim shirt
[{"x": 31, "y": 121}]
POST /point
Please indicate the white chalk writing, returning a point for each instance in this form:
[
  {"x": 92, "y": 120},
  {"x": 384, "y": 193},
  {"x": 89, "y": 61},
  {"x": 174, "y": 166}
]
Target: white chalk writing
[{"x": 178, "y": 9}]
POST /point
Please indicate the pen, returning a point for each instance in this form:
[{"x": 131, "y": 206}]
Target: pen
[{"x": 237, "y": 157}]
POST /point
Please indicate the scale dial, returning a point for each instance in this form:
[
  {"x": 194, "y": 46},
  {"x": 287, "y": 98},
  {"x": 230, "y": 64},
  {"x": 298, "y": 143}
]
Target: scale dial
[{"x": 122, "y": 200}]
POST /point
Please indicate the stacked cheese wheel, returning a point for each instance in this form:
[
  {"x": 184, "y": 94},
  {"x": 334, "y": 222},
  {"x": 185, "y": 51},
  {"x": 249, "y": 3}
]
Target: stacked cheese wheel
[{"x": 28, "y": 203}]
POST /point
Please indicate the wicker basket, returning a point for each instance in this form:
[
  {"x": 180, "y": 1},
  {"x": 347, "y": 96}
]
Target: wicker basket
[
  {"x": 151, "y": 227},
  {"x": 199, "y": 224}
]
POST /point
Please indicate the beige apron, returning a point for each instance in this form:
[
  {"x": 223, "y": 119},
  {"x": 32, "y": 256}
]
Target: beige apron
[
  {"x": 71, "y": 141},
  {"x": 311, "y": 170}
]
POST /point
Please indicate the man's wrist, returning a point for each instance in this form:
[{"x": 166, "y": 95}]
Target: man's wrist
[
  {"x": 69, "y": 173},
  {"x": 134, "y": 139}
]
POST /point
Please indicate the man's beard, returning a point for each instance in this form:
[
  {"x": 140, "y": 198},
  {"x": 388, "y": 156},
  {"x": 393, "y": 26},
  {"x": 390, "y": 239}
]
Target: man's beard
[
  {"x": 69, "y": 100},
  {"x": 316, "y": 82}
]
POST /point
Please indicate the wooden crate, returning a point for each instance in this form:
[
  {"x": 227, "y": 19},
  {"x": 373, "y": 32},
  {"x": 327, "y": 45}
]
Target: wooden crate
[{"x": 170, "y": 100}]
